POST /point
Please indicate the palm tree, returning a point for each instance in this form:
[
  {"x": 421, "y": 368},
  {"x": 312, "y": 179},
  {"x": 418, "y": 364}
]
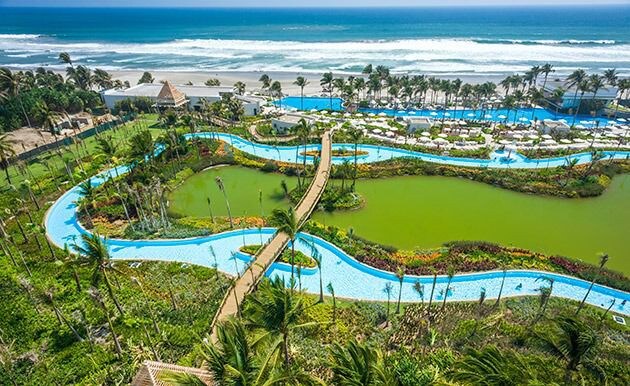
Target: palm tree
[
  {"x": 501, "y": 288},
  {"x": 571, "y": 341},
  {"x": 432, "y": 289},
  {"x": 64, "y": 57},
  {"x": 11, "y": 84},
  {"x": 94, "y": 251},
  {"x": 400, "y": 275},
  {"x": 276, "y": 311},
  {"x": 98, "y": 299},
  {"x": 327, "y": 85},
  {"x": 221, "y": 187},
  {"x": 546, "y": 69},
  {"x": 545, "y": 295},
  {"x": 596, "y": 83},
  {"x": 239, "y": 87},
  {"x": 331, "y": 291},
  {"x": 450, "y": 275},
  {"x": 276, "y": 91},
  {"x": 6, "y": 153},
  {"x": 301, "y": 82},
  {"x": 318, "y": 261},
  {"x": 576, "y": 78},
  {"x": 266, "y": 81},
  {"x": 232, "y": 360},
  {"x": 491, "y": 367},
  {"x": 49, "y": 297},
  {"x": 603, "y": 259},
  {"x": 304, "y": 130},
  {"x": 287, "y": 222},
  {"x": 419, "y": 288},
  {"x": 355, "y": 135},
  {"x": 388, "y": 291},
  {"x": 359, "y": 364}
]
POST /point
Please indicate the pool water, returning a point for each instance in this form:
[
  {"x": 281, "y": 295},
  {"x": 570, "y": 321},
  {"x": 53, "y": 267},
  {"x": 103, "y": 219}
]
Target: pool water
[
  {"x": 350, "y": 278},
  {"x": 310, "y": 103},
  {"x": 524, "y": 115}
]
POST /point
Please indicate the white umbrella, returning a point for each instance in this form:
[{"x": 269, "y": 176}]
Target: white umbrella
[
  {"x": 562, "y": 120},
  {"x": 382, "y": 114},
  {"x": 433, "y": 113},
  {"x": 565, "y": 141},
  {"x": 371, "y": 115},
  {"x": 464, "y": 136},
  {"x": 440, "y": 140},
  {"x": 313, "y": 110},
  {"x": 578, "y": 140},
  {"x": 424, "y": 139},
  {"x": 533, "y": 136},
  {"x": 442, "y": 135},
  {"x": 377, "y": 131},
  {"x": 488, "y": 116},
  {"x": 447, "y": 114},
  {"x": 517, "y": 136},
  {"x": 580, "y": 127},
  {"x": 549, "y": 142},
  {"x": 325, "y": 112},
  {"x": 390, "y": 134},
  {"x": 504, "y": 142},
  {"x": 347, "y": 115},
  {"x": 425, "y": 134},
  {"x": 547, "y": 136}
]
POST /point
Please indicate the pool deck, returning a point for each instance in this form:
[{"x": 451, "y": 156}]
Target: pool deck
[{"x": 248, "y": 280}]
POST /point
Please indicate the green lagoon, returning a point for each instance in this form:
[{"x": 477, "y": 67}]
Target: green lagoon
[{"x": 424, "y": 212}]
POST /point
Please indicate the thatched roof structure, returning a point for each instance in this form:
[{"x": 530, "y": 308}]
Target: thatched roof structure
[
  {"x": 149, "y": 374},
  {"x": 170, "y": 96}
]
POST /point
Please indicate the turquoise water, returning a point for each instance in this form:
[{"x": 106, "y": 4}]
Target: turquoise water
[
  {"x": 495, "y": 115},
  {"x": 498, "y": 159},
  {"x": 310, "y": 103},
  {"x": 350, "y": 278},
  {"x": 460, "y": 41}
]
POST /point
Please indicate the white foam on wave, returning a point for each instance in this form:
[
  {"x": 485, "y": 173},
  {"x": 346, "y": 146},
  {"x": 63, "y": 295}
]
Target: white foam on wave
[
  {"x": 18, "y": 36},
  {"x": 438, "y": 55}
]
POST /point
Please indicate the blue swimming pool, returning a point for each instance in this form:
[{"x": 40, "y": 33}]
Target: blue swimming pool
[
  {"x": 523, "y": 116},
  {"x": 310, "y": 103},
  {"x": 350, "y": 278}
]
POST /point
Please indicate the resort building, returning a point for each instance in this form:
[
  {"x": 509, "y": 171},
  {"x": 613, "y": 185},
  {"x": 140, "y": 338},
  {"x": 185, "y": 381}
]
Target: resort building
[
  {"x": 553, "y": 127},
  {"x": 168, "y": 95},
  {"x": 418, "y": 123},
  {"x": 284, "y": 123},
  {"x": 570, "y": 100}
]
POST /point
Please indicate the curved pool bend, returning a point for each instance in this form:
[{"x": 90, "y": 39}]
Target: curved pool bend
[
  {"x": 375, "y": 153},
  {"x": 350, "y": 278}
]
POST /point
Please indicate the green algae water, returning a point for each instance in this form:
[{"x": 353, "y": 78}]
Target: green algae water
[
  {"x": 242, "y": 186},
  {"x": 423, "y": 212}
]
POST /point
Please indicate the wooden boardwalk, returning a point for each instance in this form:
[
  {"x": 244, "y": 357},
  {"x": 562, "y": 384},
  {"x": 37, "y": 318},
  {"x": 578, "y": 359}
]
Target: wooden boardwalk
[{"x": 268, "y": 254}]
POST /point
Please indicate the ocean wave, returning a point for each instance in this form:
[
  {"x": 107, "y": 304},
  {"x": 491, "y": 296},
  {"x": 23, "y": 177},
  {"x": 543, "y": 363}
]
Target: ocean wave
[
  {"x": 414, "y": 55},
  {"x": 18, "y": 36},
  {"x": 548, "y": 42}
]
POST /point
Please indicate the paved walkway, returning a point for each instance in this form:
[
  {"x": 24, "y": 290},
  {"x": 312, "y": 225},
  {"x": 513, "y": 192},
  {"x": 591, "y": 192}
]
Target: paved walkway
[{"x": 248, "y": 279}]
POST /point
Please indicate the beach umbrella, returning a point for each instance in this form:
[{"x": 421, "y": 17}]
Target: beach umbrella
[
  {"x": 581, "y": 127},
  {"x": 377, "y": 131},
  {"x": 547, "y": 136},
  {"x": 442, "y": 135},
  {"x": 578, "y": 140},
  {"x": 622, "y": 120},
  {"x": 533, "y": 136},
  {"x": 424, "y": 139},
  {"x": 347, "y": 115},
  {"x": 565, "y": 141},
  {"x": 371, "y": 115},
  {"x": 487, "y": 116},
  {"x": 517, "y": 136},
  {"x": 382, "y": 114},
  {"x": 390, "y": 134},
  {"x": 464, "y": 136},
  {"x": 440, "y": 140},
  {"x": 433, "y": 113},
  {"x": 504, "y": 142},
  {"x": 562, "y": 120},
  {"x": 313, "y": 110},
  {"x": 425, "y": 134},
  {"x": 325, "y": 112}
]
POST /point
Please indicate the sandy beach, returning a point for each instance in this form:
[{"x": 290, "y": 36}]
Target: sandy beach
[{"x": 251, "y": 78}]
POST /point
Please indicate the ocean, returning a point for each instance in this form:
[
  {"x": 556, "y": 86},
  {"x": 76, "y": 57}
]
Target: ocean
[{"x": 439, "y": 41}]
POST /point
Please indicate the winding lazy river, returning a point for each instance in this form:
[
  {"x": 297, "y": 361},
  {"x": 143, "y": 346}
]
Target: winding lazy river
[{"x": 350, "y": 278}]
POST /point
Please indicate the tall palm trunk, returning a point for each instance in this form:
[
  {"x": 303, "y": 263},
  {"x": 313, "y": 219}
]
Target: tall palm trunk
[{"x": 111, "y": 292}]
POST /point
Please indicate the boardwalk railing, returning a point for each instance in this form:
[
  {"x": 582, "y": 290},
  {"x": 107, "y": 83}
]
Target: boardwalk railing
[{"x": 248, "y": 280}]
